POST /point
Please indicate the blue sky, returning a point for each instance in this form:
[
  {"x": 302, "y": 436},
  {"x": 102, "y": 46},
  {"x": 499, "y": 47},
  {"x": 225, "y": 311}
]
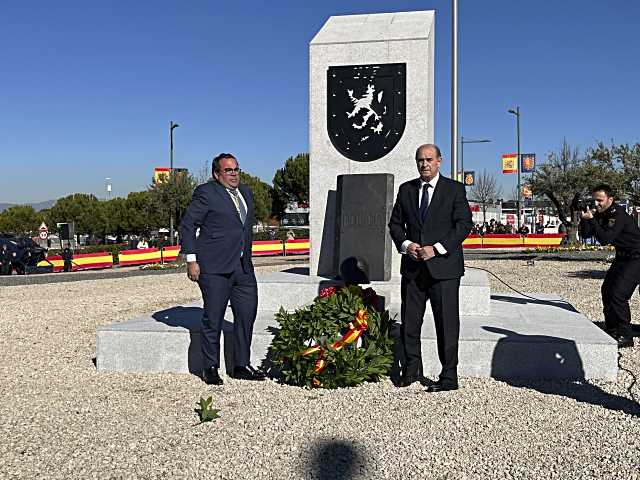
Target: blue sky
[{"x": 87, "y": 89}]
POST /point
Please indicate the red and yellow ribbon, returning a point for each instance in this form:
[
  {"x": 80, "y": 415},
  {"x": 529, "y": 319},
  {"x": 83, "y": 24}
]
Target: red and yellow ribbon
[{"x": 356, "y": 328}]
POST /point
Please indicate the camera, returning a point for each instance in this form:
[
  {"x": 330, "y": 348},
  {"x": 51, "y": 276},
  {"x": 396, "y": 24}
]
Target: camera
[{"x": 584, "y": 205}]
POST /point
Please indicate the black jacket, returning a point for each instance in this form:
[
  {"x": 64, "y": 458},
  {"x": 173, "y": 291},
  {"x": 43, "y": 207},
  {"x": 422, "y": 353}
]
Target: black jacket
[
  {"x": 448, "y": 222},
  {"x": 222, "y": 235},
  {"x": 614, "y": 227}
]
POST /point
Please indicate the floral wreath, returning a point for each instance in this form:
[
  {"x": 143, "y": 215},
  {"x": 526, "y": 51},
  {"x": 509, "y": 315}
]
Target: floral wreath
[{"x": 342, "y": 339}]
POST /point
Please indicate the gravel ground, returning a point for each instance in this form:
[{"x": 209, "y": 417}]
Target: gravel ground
[{"x": 61, "y": 419}]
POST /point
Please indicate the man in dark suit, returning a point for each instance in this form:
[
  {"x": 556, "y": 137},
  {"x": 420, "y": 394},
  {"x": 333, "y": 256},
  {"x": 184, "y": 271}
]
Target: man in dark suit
[
  {"x": 430, "y": 220},
  {"x": 219, "y": 259}
]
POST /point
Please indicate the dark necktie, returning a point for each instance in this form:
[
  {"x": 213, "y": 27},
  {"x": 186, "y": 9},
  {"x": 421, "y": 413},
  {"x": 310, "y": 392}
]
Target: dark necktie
[{"x": 424, "y": 201}]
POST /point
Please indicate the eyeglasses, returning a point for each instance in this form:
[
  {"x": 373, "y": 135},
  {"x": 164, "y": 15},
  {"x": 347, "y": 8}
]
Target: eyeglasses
[{"x": 231, "y": 170}]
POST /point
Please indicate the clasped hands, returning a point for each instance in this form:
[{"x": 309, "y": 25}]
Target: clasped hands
[{"x": 421, "y": 254}]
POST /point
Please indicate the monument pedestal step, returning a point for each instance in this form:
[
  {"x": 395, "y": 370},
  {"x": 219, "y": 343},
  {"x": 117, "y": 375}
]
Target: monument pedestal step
[
  {"x": 521, "y": 338},
  {"x": 294, "y": 288}
]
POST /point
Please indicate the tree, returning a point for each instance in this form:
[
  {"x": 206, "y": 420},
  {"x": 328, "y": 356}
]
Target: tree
[
  {"x": 138, "y": 213},
  {"x": 114, "y": 218},
  {"x": 175, "y": 193},
  {"x": 261, "y": 197},
  {"x": 291, "y": 183},
  {"x": 80, "y": 208},
  {"x": 485, "y": 191},
  {"x": 20, "y": 219},
  {"x": 625, "y": 160},
  {"x": 566, "y": 178}
]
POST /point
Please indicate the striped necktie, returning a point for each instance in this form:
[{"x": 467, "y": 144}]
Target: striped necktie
[{"x": 239, "y": 205}]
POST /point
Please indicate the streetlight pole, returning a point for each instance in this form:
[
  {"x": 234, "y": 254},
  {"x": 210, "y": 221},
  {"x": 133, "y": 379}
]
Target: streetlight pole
[
  {"x": 462, "y": 142},
  {"x": 454, "y": 89},
  {"x": 516, "y": 112},
  {"x": 171, "y": 177}
]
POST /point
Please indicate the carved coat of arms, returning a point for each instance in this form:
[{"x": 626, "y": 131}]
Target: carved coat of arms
[{"x": 366, "y": 109}]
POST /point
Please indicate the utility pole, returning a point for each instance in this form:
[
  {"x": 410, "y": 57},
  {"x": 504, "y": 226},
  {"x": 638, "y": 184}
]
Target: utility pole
[{"x": 454, "y": 89}]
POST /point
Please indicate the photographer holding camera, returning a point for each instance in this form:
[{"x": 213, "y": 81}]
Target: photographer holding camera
[{"x": 612, "y": 225}]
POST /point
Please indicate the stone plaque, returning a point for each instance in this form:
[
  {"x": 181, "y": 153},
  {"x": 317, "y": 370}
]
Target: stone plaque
[{"x": 364, "y": 204}]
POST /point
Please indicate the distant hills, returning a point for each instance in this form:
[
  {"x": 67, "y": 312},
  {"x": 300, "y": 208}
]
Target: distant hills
[{"x": 36, "y": 206}]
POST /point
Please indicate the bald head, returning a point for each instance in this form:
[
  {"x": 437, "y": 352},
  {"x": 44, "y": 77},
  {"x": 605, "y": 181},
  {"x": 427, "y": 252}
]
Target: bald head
[{"x": 428, "y": 160}]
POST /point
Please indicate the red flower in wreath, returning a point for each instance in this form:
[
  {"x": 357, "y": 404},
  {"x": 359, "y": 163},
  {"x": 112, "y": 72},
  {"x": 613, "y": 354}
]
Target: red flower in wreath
[{"x": 328, "y": 292}]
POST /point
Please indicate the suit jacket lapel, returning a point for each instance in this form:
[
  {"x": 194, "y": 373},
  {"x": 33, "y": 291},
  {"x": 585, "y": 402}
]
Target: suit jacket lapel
[{"x": 413, "y": 201}]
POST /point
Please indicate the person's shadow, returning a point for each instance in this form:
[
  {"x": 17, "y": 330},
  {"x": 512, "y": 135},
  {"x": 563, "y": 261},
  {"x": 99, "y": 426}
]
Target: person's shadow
[
  {"x": 550, "y": 357},
  {"x": 335, "y": 459},
  {"x": 190, "y": 318}
]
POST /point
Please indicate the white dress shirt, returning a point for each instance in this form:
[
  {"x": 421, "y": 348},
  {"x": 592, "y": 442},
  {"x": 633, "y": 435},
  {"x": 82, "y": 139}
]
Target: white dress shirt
[{"x": 432, "y": 188}]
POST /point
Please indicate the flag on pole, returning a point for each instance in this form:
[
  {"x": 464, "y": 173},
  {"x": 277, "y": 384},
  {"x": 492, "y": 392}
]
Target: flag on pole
[
  {"x": 528, "y": 164},
  {"x": 510, "y": 163},
  {"x": 469, "y": 178}
]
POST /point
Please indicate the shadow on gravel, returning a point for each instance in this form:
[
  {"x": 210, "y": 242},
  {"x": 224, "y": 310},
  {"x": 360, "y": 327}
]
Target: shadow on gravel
[
  {"x": 523, "y": 301},
  {"x": 517, "y": 356},
  {"x": 335, "y": 459},
  {"x": 190, "y": 318},
  {"x": 597, "y": 274}
]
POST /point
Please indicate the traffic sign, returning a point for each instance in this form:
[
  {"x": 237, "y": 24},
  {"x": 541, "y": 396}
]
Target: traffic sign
[{"x": 44, "y": 231}]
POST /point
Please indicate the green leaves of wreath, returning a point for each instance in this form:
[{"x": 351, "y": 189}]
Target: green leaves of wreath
[{"x": 341, "y": 340}]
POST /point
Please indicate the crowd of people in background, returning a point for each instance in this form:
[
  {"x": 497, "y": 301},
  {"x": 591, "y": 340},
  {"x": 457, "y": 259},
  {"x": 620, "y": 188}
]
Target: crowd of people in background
[
  {"x": 492, "y": 227},
  {"x": 497, "y": 227}
]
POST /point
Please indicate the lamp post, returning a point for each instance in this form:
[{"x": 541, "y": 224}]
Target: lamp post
[
  {"x": 171, "y": 177},
  {"x": 454, "y": 88},
  {"x": 462, "y": 142},
  {"x": 516, "y": 112}
]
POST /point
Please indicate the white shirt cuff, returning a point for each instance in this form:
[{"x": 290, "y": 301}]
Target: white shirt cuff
[
  {"x": 403, "y": 247},
  {"x": 191, "y": 257},
  {"x": 441, "y": 250}
]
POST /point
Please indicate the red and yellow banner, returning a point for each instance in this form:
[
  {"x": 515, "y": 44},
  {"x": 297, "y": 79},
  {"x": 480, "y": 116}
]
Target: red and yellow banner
[
  {"x": 142, "y": 256},
  {"x": 81, "y": 261},
  {"x": 495, "y": 240},
  {"x": 510, "y": 163},
  {"x": 297, "y": 246},
  {"x": 267, "y": 247}
]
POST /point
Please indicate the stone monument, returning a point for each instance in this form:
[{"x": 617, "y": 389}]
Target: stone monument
[{"x": 370, "y": 107}]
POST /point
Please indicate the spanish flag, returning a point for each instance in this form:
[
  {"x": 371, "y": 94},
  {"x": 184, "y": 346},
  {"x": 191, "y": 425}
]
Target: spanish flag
[{"x": 510, "y": 163}]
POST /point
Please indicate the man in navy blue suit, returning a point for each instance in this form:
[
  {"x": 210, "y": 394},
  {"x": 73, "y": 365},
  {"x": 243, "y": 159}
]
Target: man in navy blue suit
[{"x": 219, "y": 259}]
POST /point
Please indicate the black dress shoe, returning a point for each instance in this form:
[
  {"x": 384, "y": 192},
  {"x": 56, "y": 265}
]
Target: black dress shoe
[
  {"x": 442, "y": 386},
  {"x": 210, "y": 376},
  {"x": 247, "y": 373},
  {"x": 624, "y": 341},
  {"x": 406, "y": 380}
]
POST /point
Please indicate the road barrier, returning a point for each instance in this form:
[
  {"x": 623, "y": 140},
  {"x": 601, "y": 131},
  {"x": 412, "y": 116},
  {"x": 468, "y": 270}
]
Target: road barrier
[
  {"x": 497, "y": 240},
  {"x": 81, "y": 261},
  {"x": 87, "y": 261}
]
